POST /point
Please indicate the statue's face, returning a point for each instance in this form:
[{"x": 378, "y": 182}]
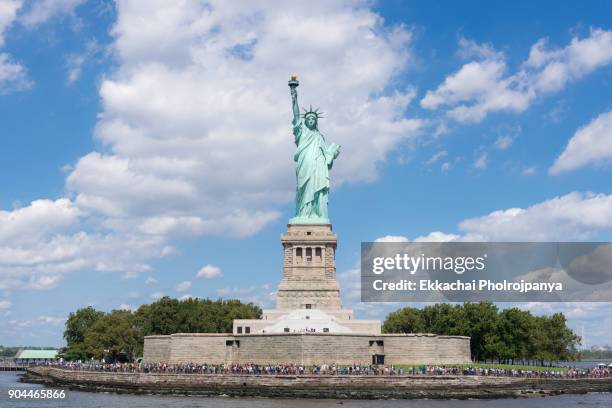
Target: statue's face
[{"x": 311, "y": 121}]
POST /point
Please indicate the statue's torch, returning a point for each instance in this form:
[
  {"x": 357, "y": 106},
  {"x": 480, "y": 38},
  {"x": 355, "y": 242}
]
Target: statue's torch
[{"x": 293, "y": 82}]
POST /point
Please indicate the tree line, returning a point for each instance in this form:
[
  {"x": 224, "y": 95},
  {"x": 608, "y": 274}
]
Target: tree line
[
  {"x": 596, "y": 354},
  {"x": 119, "y": 334},
  {"x": 506, "y": 336}
]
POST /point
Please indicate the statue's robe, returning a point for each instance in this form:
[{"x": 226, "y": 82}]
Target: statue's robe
[{"x": 313, "y": 160}]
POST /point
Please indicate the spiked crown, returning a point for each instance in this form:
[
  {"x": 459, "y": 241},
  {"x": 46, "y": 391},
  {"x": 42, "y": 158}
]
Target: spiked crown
[{"x": 311, "y": 111}]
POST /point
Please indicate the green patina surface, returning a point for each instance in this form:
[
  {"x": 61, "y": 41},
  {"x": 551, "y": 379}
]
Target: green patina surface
[{"x": 313, "y": 161}]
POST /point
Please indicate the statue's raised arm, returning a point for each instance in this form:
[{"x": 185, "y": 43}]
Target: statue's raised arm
[{"x": 293, "y": 84}]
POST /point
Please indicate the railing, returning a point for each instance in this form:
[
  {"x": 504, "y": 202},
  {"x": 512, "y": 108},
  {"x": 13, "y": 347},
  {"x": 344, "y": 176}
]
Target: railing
[{"x": 13, "y": 367}]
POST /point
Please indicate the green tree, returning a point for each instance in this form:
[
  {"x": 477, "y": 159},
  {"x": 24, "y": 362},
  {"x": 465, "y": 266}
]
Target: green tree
[
  {"x": 482, "y": 320},
  {"x": 119, "y": 334},
  {"x": 443, "y": 318},
  {"x": 539, "y": 342},
  {"x": 76, "y": 325},
  {"x": 167, "y": 316},
  {"x": 515, "y": 328},
  {"x": 8, "y": 351},
  {"x": 159, "y": 317},
  {"x": 406, "y": 320},
  {"x": 556, "y": 341},
  {"x": 114, "y": 337},
  {"x": 507, "y": 336}
]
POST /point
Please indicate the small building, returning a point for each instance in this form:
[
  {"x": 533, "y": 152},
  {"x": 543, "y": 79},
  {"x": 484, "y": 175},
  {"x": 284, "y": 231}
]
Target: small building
[{"x": 29, "y": 356}]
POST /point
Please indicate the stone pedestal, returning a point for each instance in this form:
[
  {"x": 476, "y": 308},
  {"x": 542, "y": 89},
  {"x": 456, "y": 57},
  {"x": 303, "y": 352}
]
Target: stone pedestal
[
  {"x": 308, "y": 296},
  {"x": 309, "y": 270}
]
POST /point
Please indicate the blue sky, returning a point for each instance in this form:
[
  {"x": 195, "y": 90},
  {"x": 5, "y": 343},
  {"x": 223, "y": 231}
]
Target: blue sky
[{"x": 140, "y": 144}]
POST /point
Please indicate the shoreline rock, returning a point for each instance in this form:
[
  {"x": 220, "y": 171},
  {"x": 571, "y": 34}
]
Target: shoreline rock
[{"x": 316, "y": 387}]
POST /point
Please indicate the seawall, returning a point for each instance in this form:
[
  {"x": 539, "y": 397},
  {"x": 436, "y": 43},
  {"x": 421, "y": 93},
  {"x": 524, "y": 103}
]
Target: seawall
[{"x": 316, "y": 386}]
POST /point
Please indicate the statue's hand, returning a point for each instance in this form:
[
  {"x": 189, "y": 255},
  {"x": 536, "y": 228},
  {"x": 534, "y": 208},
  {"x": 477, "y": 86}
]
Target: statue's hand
[
  {"x": 336, "y": 149},
  {"x": 333, "y": 152}
]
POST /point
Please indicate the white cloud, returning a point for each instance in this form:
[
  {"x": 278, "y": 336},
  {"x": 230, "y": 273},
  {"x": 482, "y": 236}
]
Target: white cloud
[
  {"x": 13, "y": 76},
  {"x": 483, "y": 86},
  {"x": 209, "y": 272},
  {"x": 125, "y": 306},
  {"x": 437, "y": 156},
  {"x": 558, "y": 112},
  {"x": 150, "y": 281},
  {"x": 41, "y": 219},
  {"x": 75, "y": 61},
  {"x": 481, "y": 161},
  {"x": 239, "y": 223},
  {"x": 42, "y": 265},
  {"x": 236, "y": 291},
  {"x": 186, "y": 296},
  {"x": 5, "y": 304},
  {"x": 506, "y": 136},
  {"x": 52, "y": 320},
  {"x": 437, "y": 236},
  {"x": 471, "y": 49},
  {"x": 591, "y": 144},
  {"x": 350, "y": 283},
  {"x": 20, "y": 323},
  {"x": 96, "y": 176},
  {"x": 529, "y": 171},
  {"x": 183, "y": 286},
  {"x": 8, "y": 14},
  {"x": 574, "y": 216},
  {"x": 503, "y": 142},
  {"x": 441, "y": 129},
  {"x": 580, "y": 57},
  {"x": 41, "y": 11},
  {"x": 392, "y": 238},
  {"x": 42, "y": 242},
  {"x": 445, "y": 167}
]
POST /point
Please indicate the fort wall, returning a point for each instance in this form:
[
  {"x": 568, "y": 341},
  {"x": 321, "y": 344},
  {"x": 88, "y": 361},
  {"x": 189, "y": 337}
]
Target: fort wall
[{"x": 307, "y": 348}]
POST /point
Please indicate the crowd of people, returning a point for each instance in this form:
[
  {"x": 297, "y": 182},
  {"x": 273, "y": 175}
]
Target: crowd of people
[{"x": 325, "y": 369}]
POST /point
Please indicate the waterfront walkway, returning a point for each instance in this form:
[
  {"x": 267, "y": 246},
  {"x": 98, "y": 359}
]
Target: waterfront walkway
[
  {"x": 384, "y": 385},
  {"x": 331, "y": 370}
]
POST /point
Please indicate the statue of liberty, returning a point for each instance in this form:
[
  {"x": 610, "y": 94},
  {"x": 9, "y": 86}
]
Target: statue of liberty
[{"x": 313, "y": 161}]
